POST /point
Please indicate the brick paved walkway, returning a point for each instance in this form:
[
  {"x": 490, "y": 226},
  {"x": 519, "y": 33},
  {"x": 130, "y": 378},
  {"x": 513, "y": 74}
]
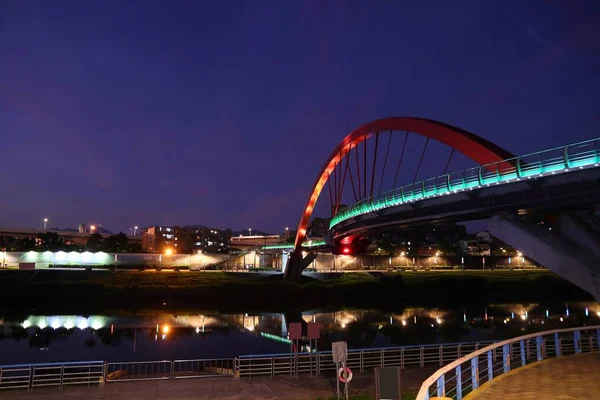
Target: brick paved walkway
[
  {"x": 225, "y": 388},
  {"x": 565, "y": 378}
]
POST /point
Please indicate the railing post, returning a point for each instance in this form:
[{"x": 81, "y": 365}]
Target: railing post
[
  {"x": 441, "y": 355},
  {"x": 31, "y": 374},
  {"x": 523, "y": 358},
  {"x": 382, "y": 358},
  {"x": 422, "y": 356},
  {"x": 475, "y": 372},
  {"x": 272, "y": 367},
  {"x": 441, "y": 389},
  {"x": 458, "y": 382},
  {"x": 62, "y": 372},
  {"x": 490, "y": 365},
  {"x": 506, "y": 357},
  {"x": 361, "y": 360},
  {"x": 598, "y": 337},
  {"x": 458, "y": 352},
  {"x": 538, "y": 342},
  {"x": 566, "y": 157},
  {"x": 577, "y": 341},
  {"x": 402, "y": 354},
  {"x": 557, "y": 345}
]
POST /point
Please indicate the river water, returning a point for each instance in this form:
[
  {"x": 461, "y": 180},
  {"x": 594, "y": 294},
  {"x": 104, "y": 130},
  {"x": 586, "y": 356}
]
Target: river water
[{"x": 120, "y": 337}]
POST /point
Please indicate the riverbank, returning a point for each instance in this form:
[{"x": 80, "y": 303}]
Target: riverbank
[{"x": 96, "y": 291}]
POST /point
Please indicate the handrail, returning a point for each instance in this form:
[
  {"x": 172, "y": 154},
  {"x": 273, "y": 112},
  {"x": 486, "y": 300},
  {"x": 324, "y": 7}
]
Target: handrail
[
  {"x": 424, "y": 391},
  {"x": 585, "y": 154},
  {"x": 55, "y": 364}
]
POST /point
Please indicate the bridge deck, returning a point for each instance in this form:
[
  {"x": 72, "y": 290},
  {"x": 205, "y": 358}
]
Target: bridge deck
[{"x": 569, "y": 377}]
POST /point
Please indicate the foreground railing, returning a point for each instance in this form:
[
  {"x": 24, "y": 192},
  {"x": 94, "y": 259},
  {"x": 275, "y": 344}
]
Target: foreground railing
[
  {"x": 468, "y": 373},
  {"x": 317, "y": 363},
  {"x": 552, "y": 161},
  {"x": 160, "y": 370},
  {"x": 59, "y": 375}
]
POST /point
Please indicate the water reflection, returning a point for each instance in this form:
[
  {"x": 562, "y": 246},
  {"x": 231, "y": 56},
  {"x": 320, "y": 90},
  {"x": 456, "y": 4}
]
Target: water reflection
[{"x": 54, "y": 338}]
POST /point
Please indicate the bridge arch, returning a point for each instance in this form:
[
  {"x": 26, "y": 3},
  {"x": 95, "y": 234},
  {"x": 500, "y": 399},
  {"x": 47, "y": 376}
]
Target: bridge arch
[{"x": 474, "y": 147}]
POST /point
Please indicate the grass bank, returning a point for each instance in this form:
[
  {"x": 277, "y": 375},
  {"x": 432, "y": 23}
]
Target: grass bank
[{"x": 95, "y": 291}]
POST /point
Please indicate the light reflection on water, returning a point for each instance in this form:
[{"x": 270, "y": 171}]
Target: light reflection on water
[{"x": 155, "y": 337}]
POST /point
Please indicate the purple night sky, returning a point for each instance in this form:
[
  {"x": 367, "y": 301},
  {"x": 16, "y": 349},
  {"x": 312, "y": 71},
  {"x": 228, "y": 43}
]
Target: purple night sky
[{"x": 221, "y": 113}]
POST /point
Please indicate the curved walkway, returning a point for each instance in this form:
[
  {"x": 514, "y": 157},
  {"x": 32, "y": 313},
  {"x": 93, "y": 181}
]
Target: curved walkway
[{"x": 565, "y": 378}]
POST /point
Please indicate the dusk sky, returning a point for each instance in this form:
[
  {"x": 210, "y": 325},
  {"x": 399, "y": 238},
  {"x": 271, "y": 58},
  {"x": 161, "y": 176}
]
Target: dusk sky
[{"x": 222, "y": 113}]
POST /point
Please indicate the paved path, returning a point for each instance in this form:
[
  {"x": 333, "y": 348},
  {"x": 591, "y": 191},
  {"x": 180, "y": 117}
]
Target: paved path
[
  {"x": 564, "y": 378},
  {"x": 225, "y": 388}
]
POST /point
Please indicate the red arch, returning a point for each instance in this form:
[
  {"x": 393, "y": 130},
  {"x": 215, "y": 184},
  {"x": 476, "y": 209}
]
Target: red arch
[{"x": 476, "y": 148}]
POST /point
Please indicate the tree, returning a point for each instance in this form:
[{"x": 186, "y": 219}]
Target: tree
[
  {"x": 94, "y": 242},
  {"x": 50, "y": 241},
  {"x": 116, "y": 243}
]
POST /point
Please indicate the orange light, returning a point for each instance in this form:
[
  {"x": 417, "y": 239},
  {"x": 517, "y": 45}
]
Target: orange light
[
  {"x": 166, "y": 329},
  {"x": 168, "y": 251}
]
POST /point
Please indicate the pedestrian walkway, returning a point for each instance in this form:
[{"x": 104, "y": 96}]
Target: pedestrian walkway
[
  {"x": 564, "y": 378},
  {"x": 224, "y": 388}
]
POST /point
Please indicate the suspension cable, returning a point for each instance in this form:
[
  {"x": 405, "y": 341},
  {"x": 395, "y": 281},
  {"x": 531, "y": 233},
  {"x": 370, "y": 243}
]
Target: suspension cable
[
  {"x": 385, "y": 162},
  {"x": 330, "y": 196},
  {"x": 448, "y": 163},
  {"x": 400, "y": 162},
  {"x": 350, "y": 172},
  {"x": 342, "y": 186},
  {"x": 374, "y": 163},
  {"x": 421, "y": 160},
  {"x": 358, "y": 171},
  {"x": 365, "y": 170}
]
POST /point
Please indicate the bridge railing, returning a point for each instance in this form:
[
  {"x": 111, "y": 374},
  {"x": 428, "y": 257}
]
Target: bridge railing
[
  {"x": 468, "y": 373},
  {"x": 551, "y": 161},
  {"x": 359, "y": 360}
]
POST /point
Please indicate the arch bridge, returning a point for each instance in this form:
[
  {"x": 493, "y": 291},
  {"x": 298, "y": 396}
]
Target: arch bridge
[{"x": 508, "y": 190}]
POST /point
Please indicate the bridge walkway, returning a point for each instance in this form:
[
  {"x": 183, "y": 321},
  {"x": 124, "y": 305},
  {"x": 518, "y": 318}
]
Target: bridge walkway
[{"x": 565, "y": 378}]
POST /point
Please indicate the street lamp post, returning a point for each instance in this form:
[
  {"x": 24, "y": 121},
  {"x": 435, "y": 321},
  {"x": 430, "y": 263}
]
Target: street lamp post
[
  {"x": 92, "y": 228},
  {"x": 45, "y": 223},
  {"x": 135, "y": 228},
  {"x": 249, "y": 231}
]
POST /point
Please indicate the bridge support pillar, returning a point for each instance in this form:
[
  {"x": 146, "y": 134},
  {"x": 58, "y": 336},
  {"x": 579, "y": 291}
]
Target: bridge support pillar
[
  {"x": 572, "y": 251},
  {"x": 297, "y": 263}
]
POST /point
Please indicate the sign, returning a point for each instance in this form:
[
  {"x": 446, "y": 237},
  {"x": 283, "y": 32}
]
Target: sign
[
  {"x": 340, "y": 351},
  {"x": 314, "y": 330},
  {"x": 387, "y": 383},
  {"x": 26, "y": 265},
  {"x": 295, "y": 331},
  {"x": 345, "y": 374}
]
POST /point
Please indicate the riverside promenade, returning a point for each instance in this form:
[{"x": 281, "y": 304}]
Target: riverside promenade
[
  {"x": 564, "y": 378},
  {"x": 224, "y": 388}
]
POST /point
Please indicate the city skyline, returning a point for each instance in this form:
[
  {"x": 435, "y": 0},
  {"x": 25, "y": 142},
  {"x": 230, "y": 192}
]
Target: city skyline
[{"x": 222, "y": 117}]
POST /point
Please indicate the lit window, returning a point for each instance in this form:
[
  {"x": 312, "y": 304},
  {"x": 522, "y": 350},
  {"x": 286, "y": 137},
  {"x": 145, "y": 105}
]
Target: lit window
[{"x": 198, "y": 243}]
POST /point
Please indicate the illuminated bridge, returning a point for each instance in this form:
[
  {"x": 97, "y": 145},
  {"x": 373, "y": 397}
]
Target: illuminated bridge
[{"x": 543, "y": 203}]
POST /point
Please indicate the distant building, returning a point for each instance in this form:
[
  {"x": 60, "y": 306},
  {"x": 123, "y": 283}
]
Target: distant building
[
  {"x": 157, "y": 239},
  {"x": 479, "y": 244},
  {"x": 186, "y": 239}
]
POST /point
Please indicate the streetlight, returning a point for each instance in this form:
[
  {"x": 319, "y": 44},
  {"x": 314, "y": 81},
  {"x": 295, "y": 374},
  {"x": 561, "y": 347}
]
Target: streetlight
[
  {"x": 249, "y": 231},
  {"x": 135, "y": 228},
  {"x": 92, "y": 228},
  {"x": 45, "y": 223}
]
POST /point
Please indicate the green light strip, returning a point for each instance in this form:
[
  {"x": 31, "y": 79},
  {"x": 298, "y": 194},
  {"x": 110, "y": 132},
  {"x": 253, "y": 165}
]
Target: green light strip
[
  {"x": 276, "y": 338},
  {"x": 309, "y": 244},
  {"x": 552, "y": 161}
]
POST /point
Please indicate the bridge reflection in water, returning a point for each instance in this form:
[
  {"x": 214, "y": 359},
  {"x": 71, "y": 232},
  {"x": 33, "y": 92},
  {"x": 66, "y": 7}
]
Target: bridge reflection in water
[{"x": 115, "y": 338}]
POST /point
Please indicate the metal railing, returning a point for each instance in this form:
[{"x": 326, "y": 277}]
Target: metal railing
[
  {"x": 468, "y": 373},
  {"x": 162, "y": 370},
  {"x": 31, "y": 376},
  {"x": 359, "y": 360},
  {"x": 552, "y": 161}
]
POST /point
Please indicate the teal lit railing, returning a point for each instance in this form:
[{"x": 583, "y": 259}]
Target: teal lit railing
[
  {"x": 552, "y": 161},
  {"x": 308, "y": 244}
]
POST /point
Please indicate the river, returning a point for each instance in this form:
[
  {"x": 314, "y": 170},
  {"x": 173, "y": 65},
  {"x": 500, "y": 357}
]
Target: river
[{"x": 122, "y": 337}]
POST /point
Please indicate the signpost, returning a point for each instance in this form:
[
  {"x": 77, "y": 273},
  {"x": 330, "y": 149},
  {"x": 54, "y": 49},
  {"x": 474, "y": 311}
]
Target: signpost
[
  {"x": 339, "y": 352},
  {"x": 295, "y": 334},
  {"x": 313, "y": 332}
]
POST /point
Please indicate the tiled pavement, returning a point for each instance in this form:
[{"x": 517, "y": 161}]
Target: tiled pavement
[
  {"x": 225, "y": 388},
  {"x": 564, "y": 378}
]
